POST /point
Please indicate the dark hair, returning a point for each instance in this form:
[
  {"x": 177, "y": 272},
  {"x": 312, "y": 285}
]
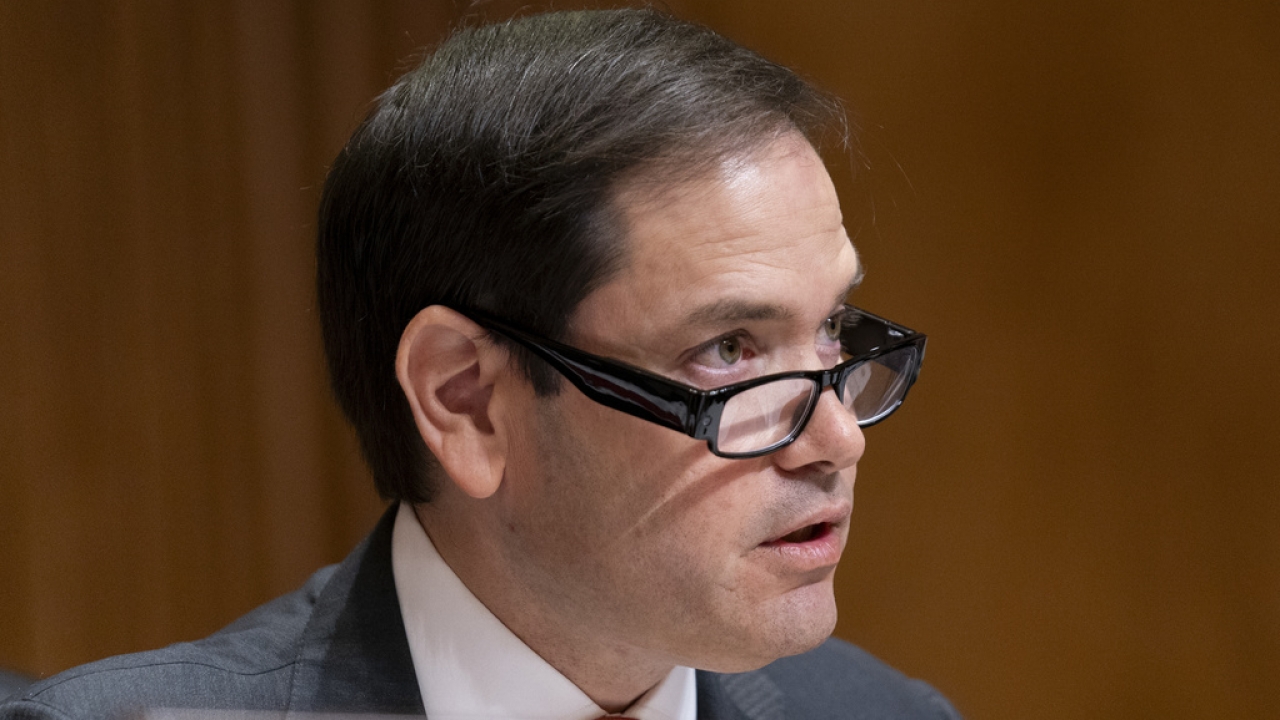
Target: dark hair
[{"x": 483, "y": 180}]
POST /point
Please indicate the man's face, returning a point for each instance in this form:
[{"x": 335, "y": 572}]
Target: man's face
[{"x": 637, "y": 535}]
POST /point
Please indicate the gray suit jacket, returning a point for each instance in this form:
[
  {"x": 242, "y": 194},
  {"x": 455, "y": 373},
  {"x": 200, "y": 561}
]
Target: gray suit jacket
[{"x": 338, "y": 645}]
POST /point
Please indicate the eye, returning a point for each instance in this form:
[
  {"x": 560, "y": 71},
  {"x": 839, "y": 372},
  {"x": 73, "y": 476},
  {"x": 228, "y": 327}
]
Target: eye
[
  {"x": 730, "y": 350},
  {"x": 833, "y": 325},
  {"x": 722, "y": 360}
]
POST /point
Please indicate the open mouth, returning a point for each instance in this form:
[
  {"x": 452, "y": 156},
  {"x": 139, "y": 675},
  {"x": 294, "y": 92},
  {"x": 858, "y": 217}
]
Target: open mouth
[{"x": 805, "y": 534}]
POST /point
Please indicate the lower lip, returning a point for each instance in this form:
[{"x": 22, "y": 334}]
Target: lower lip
[{"x": 818, "y": 552}]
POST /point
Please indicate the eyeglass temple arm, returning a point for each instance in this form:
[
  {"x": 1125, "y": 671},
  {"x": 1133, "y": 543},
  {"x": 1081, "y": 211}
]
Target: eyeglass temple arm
[
  {"x": 624, "y": 389},
  {"x": 868, "y": 339}
]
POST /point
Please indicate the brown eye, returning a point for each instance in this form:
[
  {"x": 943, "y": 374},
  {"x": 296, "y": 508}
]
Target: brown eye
[
  {"x": 730, "y": 350},
  {"x": 832, "y": 326}
]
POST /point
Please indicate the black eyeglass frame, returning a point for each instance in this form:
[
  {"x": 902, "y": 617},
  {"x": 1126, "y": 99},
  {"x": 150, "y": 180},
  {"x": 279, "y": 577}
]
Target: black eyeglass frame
[{"x": 696, "y": 412}]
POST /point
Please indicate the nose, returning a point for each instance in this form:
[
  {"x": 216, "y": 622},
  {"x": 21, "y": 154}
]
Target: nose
[{"x": 830, "y": 442}]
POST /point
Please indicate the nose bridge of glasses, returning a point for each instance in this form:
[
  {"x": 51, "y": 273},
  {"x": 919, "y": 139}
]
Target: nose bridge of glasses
[{"x": 837, "y": 379}]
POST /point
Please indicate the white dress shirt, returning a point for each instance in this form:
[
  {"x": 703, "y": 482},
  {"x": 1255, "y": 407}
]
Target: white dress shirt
[{"x": 470, "y": 666}]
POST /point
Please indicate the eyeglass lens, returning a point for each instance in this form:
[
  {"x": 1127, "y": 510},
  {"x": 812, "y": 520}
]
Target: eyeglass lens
[
  {"x": 875, "y": 388},
  {"x": 764, "y": 415},
  {"x": 767, "y": 414}
]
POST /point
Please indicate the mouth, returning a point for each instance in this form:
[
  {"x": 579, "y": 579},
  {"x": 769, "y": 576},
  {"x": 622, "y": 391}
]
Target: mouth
[
  {"x": 806, "y": 534},
  {"x": 811, "y": 545}
]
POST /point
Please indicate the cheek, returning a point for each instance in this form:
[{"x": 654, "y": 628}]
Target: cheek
[
  {"x": 654, "y": 481},
  {"x": 621, "y": 497},
  {"x": 631, "y": 458},
  {"x": 659, "y": 477}
]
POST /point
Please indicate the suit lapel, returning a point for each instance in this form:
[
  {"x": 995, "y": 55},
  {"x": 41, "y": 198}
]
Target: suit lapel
[
  {"x": 354, "y": 655},
  {"x": 743, "y": 696}
]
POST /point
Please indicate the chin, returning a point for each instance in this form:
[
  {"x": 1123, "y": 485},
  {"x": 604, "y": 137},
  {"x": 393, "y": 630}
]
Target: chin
[
  {"x": 806, "y": 616},
  {"x": 800, "y": 622},
  {"x": 808, "y": 628}
]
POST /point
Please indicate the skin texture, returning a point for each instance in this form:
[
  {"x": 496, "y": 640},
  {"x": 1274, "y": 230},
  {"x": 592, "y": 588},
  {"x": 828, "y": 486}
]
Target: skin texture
[{"x": 615, "y": 548}]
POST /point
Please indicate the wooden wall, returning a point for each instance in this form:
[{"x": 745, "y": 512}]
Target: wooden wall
[{"x": 1076, "y": 515}]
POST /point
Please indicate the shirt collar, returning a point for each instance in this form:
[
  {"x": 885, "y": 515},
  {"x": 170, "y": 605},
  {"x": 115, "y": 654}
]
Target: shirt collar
[{"x": 469, "y": 665}]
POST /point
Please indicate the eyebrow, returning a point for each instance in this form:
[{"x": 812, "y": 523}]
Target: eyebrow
[
  {"x": 733, "y": 310},
  {"x": 855, "y": 282},
  {"x": 729, "y": 311}
]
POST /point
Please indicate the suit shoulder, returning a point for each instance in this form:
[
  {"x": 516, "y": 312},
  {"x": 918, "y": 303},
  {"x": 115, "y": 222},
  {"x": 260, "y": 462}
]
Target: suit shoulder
[
  {"x": 246, "y": 665},
  {"x": 838, "y": 679}
]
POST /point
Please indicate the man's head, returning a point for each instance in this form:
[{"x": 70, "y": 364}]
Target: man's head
[
  {"x": 618, "y": 548},
  {"x": 629, "y": 188},
  {"x": 488, "y": 179}
]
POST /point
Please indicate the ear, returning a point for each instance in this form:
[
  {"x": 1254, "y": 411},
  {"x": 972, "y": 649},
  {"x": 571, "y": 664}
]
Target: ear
[{"x": 448, "y": 374}]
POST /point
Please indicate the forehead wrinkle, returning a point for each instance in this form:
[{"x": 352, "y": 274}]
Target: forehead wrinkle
[{"x": 736, "y": 310}]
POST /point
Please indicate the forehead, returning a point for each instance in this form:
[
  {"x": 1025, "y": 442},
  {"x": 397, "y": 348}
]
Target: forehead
[{"x": 760, "y": 235}]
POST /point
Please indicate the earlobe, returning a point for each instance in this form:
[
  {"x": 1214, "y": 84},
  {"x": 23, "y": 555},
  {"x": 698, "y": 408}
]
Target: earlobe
[{"x": 447, "y": 373}]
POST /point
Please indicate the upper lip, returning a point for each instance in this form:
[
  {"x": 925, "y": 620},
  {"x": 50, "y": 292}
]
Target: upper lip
[{"x": 835, "y": 514}]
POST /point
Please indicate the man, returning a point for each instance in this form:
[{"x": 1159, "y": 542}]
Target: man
[{"x": 582, "y": 279}]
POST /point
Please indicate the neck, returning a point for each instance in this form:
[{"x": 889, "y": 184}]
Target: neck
[{"x": 613, "y": 674}]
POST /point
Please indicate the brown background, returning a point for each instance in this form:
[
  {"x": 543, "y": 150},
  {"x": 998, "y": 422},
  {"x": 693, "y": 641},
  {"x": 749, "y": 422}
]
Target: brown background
[{"x": 1077, "y": 514}]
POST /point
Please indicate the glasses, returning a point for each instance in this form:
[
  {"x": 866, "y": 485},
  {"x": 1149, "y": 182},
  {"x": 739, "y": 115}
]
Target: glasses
[{"x": 880, "y": 361}]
